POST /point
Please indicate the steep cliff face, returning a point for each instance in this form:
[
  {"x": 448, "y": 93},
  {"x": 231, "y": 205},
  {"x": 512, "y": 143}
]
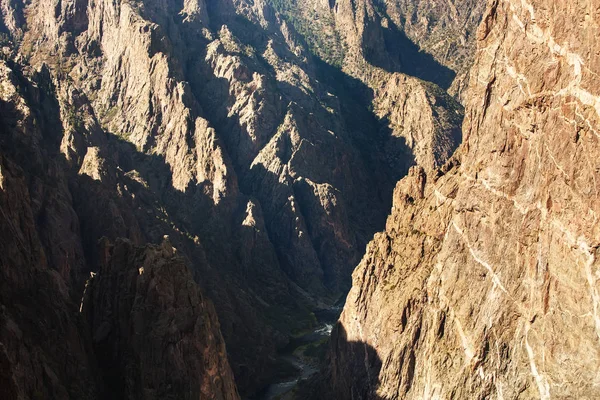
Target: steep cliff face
[
  {"x": 445, "y": 29},
  {"x": 369, "y": 45},
  {"x": 484, "y": 283},
  {"x": 43, "y": 350},
  {"x": 149, "y": 89},
  {"x": 154, "y": 333},
  {"x": 379, "y": 54},
  {"x": 48, "y": 349},
  {"x": 432, "y": 40}
]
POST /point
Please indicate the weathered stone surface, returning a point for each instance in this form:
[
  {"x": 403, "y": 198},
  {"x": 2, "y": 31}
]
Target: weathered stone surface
[
  {"x": 484, "y": 283},
  {"x": 12, "y": 18},
  {"x": 155, "y": 335},
  {"x": 47, "y": 166}
]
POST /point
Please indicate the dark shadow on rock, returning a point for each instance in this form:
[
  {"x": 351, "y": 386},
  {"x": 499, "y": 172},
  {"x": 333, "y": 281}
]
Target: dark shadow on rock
[
  {"x": 45, "y": 351},
  {"x": 141, "y": 204},
  {"x": 371, "y": 135},
  {"x": 403, "y": 55},
  {"x": 374, "y": 159},
  {"x": 350, "y": 372},
  {"x": 354, "y": 368},
  {"x": 232, "y": 263}
]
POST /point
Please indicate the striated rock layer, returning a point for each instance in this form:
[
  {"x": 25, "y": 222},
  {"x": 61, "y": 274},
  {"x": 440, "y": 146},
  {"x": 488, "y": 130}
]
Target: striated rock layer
[{"x": 485, "y": 281}]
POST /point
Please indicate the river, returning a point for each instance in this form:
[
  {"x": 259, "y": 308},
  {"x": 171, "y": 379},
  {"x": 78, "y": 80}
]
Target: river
[{"x": 294, "y": 354}]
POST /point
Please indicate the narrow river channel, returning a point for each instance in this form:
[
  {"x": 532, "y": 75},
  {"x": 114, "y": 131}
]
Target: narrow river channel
[{"x": 284, "y": 390}]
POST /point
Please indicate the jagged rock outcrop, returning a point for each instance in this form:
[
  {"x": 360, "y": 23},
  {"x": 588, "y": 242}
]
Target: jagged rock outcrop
[
  {"x": 372, "y": 47},
  {"x": 484, "y": 282},
  {"x": 427, "y": 139},
  {"x": 129, "y": 61},
  {"x": 379, "y": 53},
  {"x": 155, "y": 335},
  {"x": 46, "y": 169}
]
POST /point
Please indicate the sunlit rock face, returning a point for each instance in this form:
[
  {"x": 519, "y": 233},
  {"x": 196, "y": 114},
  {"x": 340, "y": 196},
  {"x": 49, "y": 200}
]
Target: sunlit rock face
[{"x": 484, "y": 283}]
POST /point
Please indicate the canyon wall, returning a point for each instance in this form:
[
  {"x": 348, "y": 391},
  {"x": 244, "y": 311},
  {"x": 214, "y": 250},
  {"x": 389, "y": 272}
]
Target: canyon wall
[
  {"x": 485, "y": 282},
  {"x": 48, "y": 349},
  {"x": 411, "y": 56}
]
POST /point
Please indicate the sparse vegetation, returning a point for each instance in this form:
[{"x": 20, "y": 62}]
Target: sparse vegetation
[
  {"x": 5, "y": 39},
  {"x": 74, "y": 119},
  {"x": 110, "y": 114},
  {"x": 313, "y": 351},
  {"x": 317, "y": 30}
]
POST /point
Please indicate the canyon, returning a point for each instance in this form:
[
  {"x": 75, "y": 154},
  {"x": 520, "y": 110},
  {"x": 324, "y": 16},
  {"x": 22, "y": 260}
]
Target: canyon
[
  {"x": 187, "y": 188},
  {"x": 210, "y": 123}
]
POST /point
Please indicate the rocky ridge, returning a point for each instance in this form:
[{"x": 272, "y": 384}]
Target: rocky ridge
[
  {"x": 154, "y": 333},
  {"x": 394, "y": 49},
  {"x": 484, "y": 282}
]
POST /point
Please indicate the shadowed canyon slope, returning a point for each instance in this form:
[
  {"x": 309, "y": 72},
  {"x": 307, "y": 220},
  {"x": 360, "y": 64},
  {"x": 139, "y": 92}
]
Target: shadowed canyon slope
[
  {"x": 394, "y": 47},
  {"x": 485, "y": 281},
  {"x": 176, "y": 349},
  {"x": 166, "y": 338},
  {"x": 210, "y": 122},
  {"x": 185, "y": 183}
]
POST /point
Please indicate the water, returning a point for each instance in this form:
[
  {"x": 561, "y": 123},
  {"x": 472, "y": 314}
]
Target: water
[
  {"x": 283, "y": 390},
  {"x": 324, "y": 330},
  {"x": 277, "y": 390}
]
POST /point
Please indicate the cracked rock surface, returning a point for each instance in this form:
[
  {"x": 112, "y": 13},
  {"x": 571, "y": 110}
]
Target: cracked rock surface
[{"x": 485, "y": 282}]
